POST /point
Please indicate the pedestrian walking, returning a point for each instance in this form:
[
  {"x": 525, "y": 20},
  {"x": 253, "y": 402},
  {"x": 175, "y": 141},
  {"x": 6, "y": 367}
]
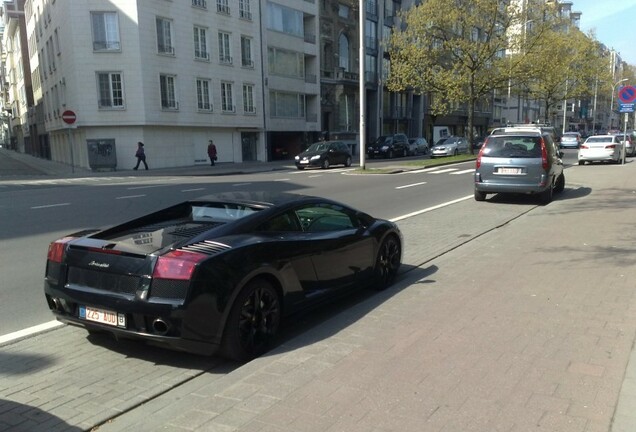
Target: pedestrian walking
[
  {"x": 140, "y": 155},
  {"x": 212, "y": 152}
]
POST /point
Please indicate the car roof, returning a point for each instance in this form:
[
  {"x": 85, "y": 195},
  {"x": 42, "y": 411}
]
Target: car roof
[{"x": 258, "y": 198}]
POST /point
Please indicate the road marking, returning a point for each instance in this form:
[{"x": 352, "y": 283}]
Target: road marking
[
  {"x": 29, "y": 331},
  {"x": 423, "y": 170},
  {"x": 131, "y": 196},
  {"x": 314, "y": 176},
  {"x": 192, "y": 190},
  {"x": 444, "y": 171},
  {"x": 51, "y": 205},
  {"x": 145, "y": 187},
  {"x": 283, "y": 179},
  {"x": 241, "y": 184},
  {"x": 426, "y": 210},
  {"x": 410, "y": 185},
  {"x": 464, "y": 171}
]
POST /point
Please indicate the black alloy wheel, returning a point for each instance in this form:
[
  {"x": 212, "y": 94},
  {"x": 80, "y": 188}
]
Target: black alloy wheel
[
  {"x": 253, "y": 322},
  {"x": 325, "y": 163},
  {"x": 387, "y": 262},
  {"x": 348, "y": 161}
]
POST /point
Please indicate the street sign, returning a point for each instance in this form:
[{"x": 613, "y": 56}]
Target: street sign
[
  {"x": 627, "y": 94},
  {"x": 626, "y": 107},
  {"x": 69, "y": 117}
]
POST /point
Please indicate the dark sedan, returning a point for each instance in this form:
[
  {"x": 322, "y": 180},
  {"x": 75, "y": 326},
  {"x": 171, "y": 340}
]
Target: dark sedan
[
  {"x": 324, "y": 154},
  {"x": 218, "y": 272}
]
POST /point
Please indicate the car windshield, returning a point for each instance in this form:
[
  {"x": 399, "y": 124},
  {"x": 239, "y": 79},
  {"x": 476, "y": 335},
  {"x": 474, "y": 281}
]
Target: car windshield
[
  {"x": 607, "y": 139},
  {"x": 382, "y": 140},
  {"x": 570, "y": 135},
  {"x": 513, "y": 146},
  {"x": 318, "y": 147},
  {"x": 220, "y": 212}
]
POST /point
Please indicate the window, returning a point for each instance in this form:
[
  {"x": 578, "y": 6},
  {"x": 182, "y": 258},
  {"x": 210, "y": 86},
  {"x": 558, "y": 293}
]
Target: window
[
  {"x": 246, "y": 52},
  {"x": 200, "y": 3},
  {"x": 168, "y": 95},
  {"x": 245, "y": 9},
  {"x": 343, "y": 52},
  {"x": 343, "y": 11},
  {"x": 248, "y": 98},
  {"x": 200, "y": 44},
  {"x": 326, "y": 217},
  {"x": 105, "y": 31},
  {"x": 291, "y": 105},
  {"x": 203, "y": 95},
  {"x": 227, "y": 102},
  {"x": 57, "y": 42},
  {"x": 284, "y": 19},
  {"x": 225, "y": 56},
  {"x": 223, "y": 6},
  {"x": 164, "y": 36},
  {"x": 110, "y": 90},
  {"x": 286, "y": 63}
]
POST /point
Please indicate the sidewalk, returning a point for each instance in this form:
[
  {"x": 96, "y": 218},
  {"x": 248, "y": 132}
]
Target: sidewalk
[{"x": 508, "y": 317}]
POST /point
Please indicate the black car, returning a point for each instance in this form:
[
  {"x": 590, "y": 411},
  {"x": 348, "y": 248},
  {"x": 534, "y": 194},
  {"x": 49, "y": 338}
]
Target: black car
[
  {"x": 324, "y": 154},
  {"x": 389, "y": 146},
  {"x": 218, "y": 272}
]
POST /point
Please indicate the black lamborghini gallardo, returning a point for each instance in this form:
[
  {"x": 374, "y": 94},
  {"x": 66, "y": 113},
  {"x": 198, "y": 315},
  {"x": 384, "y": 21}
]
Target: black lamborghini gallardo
[{"x": 218, "y": 272}]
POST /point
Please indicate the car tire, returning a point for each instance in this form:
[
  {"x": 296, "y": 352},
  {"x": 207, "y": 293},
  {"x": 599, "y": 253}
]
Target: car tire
[
  {"x": 253, "y": 321},
  {"x": 300, "y": 167},
  {"x": 480, "y": 196},
  {"x": 325, "y": 164},
  {"x": 581, "y": 162},
  {"x": 387, "y": 262},
  {"x": 348, "y": 161},
  {"x": 560, "y": 184},
  {"x": 390, "y": 154},
  {"x": 455, "y": 153},
  {"x": 546, "y": 196}
]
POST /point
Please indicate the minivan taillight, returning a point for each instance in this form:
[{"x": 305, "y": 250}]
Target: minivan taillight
[
  {"x": 57, "y": 248},
  {"x": 177, "y": 264},
  {"x": 481, "y": 151},
  {"x": 544, "y": 154}
]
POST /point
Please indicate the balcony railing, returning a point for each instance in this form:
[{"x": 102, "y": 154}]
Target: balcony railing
[
  {"x": 225, "y": 59},
  {"x": 200, "y": 3},
  {"x": 245, "y": 14},
  {"x": 201, "y": 55},
  {"x": 310, "y": 38},
  {"x": 165, "y": 49}
]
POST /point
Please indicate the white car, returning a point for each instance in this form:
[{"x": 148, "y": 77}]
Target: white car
[{"x": 601, "y": 148}]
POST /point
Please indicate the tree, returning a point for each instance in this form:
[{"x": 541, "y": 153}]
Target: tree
[{"x": 458, "y": 51}]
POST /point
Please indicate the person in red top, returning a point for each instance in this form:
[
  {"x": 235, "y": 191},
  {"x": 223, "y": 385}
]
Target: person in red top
[{"x": 212, "y": 152}]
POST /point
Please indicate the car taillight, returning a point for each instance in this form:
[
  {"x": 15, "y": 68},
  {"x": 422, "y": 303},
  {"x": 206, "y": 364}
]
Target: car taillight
[
  {"x": 57, "y": 248},
  {"x": 611, "y": 146},
  {"x": 177, "y": 264},
  {"x": 481, "y": 151},
  {"x": 544, "y": 155},
  {"x": 583, "y": 146}
]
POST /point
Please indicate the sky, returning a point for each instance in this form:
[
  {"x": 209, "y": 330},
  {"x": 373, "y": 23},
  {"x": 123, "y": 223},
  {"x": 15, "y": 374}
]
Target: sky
[{"x": 614, "y": 22}]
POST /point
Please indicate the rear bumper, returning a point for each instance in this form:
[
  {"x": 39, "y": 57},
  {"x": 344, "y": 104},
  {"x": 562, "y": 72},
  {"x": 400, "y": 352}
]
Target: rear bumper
[{"x": 509, "y": 186}]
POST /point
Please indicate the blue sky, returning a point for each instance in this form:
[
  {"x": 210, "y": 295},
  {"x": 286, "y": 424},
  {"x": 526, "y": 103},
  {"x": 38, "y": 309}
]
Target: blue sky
[{"x": 614, "y": 22}]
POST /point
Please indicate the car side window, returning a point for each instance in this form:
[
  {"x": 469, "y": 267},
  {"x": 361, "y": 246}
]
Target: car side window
[
  {"x": 325, "y": 218},
  {"x": 286, "y": 222}
]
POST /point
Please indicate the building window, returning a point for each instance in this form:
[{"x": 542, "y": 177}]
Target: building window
[
  {"x": 110, "y": 90},
  {"x": 204, "y": 102},
  {"x": 248, "y": 98},
  {"x": 57, "y": 42},
  {"x": 164, "y": 36},
  {"x": 245, "y": 11},
  {"x": 105, "y": 31},
  {"x": 343, "y": 52},
  {"x": 223, "y": 6},
  {"x": 227, "y": 99},
  {"x": 168, "y": 94},
  {"x": 225, "y": 56},
  {"x": 246, "y": 52},
  {"x": 286, "y": 63},
  {"x": 291, "y": 105},
  {"x": 343, "y": 11},
  {"x": 284, "y": 19},
  {"x": 200, "y": 3},
  {"x": 200, "y": 44}
]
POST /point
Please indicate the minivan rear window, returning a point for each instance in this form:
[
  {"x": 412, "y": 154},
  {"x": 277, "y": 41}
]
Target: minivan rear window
[{"x": 513, "y": 146}]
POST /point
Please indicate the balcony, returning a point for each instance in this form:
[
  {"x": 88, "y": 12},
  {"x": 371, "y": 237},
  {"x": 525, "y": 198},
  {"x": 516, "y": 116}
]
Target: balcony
[
  {"x": 342, "y": 74},
  {"x": 244, "y": 14},
  {"x": 165, "y": 49},
  {"x": 225, "y": 59},
  {"x": 201, "y": 55},
  {"x": 310, "y": 38},
  {"x": 200, "y": 3},
  {"x": 247, "y": 63}
]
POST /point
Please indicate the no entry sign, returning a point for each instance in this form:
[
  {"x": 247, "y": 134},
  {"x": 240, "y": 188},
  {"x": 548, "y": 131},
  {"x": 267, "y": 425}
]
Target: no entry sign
[{"x": 69, "y": 117}]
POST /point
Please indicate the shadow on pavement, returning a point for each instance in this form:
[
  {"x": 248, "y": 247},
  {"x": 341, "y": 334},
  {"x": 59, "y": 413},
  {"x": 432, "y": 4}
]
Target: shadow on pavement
[
  {"x": 15, "y": 416},
  {"x": 23, "y": 364}
]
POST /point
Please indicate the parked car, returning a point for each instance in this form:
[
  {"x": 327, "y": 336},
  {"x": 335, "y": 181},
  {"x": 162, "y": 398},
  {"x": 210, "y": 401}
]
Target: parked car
[
  {"x": 519, "y": 161},
  {"x": 219, "y": 271},
  {"x": 389, "y": 146},
  {"x": 630, "y": 145},
  {"x": 418, "y": 145},
  {"x": 571, "y": 140},
  {"x": 323, "y": 154},
  {"x": 478, "y": 142},
  {"x": 601, "y": 148},
  {"x": 450, "y": 146}
]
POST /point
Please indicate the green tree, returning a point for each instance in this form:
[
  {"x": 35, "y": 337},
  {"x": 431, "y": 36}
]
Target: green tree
[{"x": 459, "y": 51}]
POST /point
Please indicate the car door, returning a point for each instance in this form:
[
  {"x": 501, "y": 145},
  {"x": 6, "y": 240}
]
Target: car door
[{"x": 344, "y": 249}]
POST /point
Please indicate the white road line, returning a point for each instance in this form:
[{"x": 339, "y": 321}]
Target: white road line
[
  {"x": 130, "y": 196},
  {"x": 283, "y": 179},
  {"x": 145, "y": 187},
  {"x": 51, "y": 205},
  {"x": 464, "y": 171},
  {"x": 29, "y": 331},
  {"x": 314, "y": 176},
  {"x": 192, "y": 190},
  {"x": 241, "y": 184},
  {"x": 444, "y": 171},
  {"x": 423, "y": 170},
  {"x": 410, "y": 185},
  {"x": 426, "y": 210}
]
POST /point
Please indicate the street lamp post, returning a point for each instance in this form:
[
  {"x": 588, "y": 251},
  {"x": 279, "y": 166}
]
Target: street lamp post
[{"x": 612, "y": 103}]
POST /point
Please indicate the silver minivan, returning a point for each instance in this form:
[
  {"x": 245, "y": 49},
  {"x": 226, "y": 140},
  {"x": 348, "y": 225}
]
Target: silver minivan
[{"x": 519, "y": 160}]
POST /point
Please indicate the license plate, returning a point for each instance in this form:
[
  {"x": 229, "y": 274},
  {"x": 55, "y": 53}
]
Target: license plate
[
  {"x": 304, "y": 161},
  {"x": 102, "y": 316},
  {"x": 509, "y": 170}
]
